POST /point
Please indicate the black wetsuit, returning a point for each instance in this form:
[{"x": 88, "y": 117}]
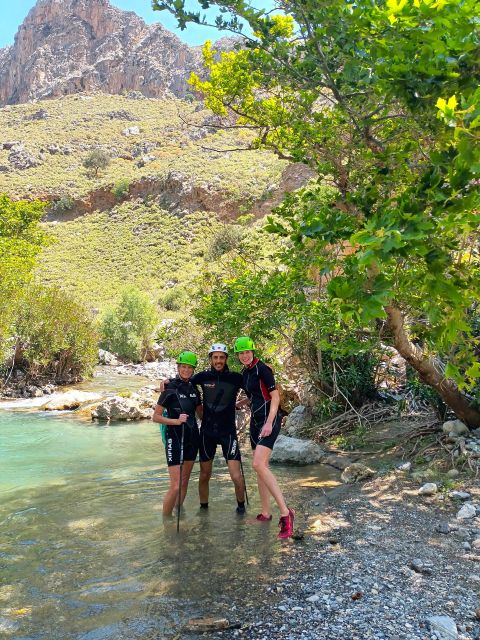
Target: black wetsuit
[
  {"x": 219, "y": 391},
  {"x": 180, "y": 397},
  {"x": 258, "y": 382}
]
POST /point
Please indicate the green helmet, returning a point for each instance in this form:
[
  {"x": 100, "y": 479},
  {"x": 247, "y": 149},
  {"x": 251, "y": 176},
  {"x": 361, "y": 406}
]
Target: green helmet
[
  {"x": 243, "y": 344},
  {"x": 187, "y": 357}
]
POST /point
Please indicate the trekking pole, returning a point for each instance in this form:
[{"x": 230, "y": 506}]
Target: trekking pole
[
  {"x": 180, "y": 483},
  {"x": 244, "y": 482}
]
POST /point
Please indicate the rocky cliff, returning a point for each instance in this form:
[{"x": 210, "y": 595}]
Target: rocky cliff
[{"x": 67, "y": 46}]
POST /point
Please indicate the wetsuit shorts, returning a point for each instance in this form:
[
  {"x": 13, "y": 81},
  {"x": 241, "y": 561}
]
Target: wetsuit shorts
[
  {"x": 173, "y": 444},
  {"x": 229, "y": 444},
  {"x": 268, "y": 441}
]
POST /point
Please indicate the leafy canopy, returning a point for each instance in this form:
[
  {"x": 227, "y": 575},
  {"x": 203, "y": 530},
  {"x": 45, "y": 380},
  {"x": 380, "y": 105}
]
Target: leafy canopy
[{"x": 381, "y": 99}]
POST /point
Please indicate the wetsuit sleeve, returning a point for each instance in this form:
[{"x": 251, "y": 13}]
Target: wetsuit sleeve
[
  {"x": 165, "y": 397},
  {"x": 197, "y": 378},
  {"x": 199, "y": 397},
  {"x": 267, "y": 377}
]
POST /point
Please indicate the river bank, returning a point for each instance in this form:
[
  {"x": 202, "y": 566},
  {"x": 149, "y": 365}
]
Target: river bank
[{"x": 377, "y": 561}]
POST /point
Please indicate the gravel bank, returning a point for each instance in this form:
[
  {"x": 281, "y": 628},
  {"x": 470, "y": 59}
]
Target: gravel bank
[{"x": 377, "y": 561}]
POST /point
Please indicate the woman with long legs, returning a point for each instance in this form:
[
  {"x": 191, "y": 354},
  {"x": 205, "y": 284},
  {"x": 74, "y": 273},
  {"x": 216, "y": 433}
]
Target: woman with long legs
[{"x": 260, "y": 387}]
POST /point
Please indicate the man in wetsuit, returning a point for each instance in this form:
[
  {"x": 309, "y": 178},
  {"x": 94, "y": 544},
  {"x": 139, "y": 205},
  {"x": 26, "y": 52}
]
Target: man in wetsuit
[{"x": 220, "y": 388}]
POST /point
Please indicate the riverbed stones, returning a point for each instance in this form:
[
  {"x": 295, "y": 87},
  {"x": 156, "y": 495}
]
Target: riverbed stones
[
  {"x": 205, "y": 625},
  {"x": 467, "y": 512},
  {"x": 459, "y": 495},
  {"x": 356, "y": 472},
  {"x": 428, "y": 489},
  {"x": 455, "y": 427},
  {"x": 419, "y": 566},
  {"x": 296, "y": 451},
  {"x": 444, "y": 627}
]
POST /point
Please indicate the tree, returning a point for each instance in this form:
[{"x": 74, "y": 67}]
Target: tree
[
  {"x": 21, "y": 240},
  {"x": 96, "y": 160},
  {"x": 380, "y": 98},
  {"x": 127, "y": 329},
  {"x": 56, "y": 336}
]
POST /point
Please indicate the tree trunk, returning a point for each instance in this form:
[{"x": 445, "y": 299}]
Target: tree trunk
[{"x": 429, "y": 373}]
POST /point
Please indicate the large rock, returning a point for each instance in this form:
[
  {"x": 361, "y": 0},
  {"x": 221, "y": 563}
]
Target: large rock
[
  {"x": 68, "y": 46},
  {"x": 107, "y": 358},
  {"x": 455, "y": 427},
  {"x": 118, "y": 408},
  {"x": 295, "y": 451},
  {"x": 444, "y": 627},
  {"x": 356, "y": 472},
  {"x": 70, "y": 400},
  {"x": 297, "y": 420}
]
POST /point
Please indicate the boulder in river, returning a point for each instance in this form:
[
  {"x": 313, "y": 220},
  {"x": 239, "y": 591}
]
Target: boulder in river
[
  {"x": 118, "y": 408},
  {"x": 69, "y": 400},
  {"x": 295, "y": 451}
]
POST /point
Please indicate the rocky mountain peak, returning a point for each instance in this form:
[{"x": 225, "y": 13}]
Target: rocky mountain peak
[{"x": 68, "y": 46}]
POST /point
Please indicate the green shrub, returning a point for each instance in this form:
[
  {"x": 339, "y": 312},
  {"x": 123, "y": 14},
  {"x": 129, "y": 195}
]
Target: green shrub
[
  {"x": 127, "y": 329},
  {"x": 57, "y": 337},
  {"x": 64, "y": 203},
  {"x": 174, "y": 299},
  {"x": 225, "y": 240},
  {"x": 120, "y": 189}
]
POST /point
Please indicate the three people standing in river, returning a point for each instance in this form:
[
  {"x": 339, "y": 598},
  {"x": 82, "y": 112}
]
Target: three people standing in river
[{"x": 220, "y": 388}]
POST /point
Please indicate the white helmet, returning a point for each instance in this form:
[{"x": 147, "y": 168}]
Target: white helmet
[{"x": 218, "y": 346}]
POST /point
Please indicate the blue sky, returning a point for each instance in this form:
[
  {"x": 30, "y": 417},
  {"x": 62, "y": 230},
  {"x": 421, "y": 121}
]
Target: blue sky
[{"x": 13, "y": 13}]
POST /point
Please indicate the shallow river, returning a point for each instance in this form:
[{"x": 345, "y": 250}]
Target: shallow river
[{"x": 84, "y": 551}]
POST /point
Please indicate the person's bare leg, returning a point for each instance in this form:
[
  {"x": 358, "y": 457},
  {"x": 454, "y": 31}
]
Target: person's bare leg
[
  {"x": 264, "y": 496},
  {"x": 261, "y": 457},
  {"x": 186, "y": 471},
  {"x": 170, "y": 498},
  {"x": 204, "y": 479},
  {"x": 237, "y": 479}
]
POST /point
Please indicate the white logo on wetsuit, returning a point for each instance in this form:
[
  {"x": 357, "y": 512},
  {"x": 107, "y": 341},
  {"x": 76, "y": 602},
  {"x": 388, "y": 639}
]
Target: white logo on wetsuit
[
  {"x": 234, "y": 448},
  {"x": 169, "y": 450}
]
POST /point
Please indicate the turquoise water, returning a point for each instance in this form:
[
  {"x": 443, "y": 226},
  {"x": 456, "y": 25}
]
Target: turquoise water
[{"x": 85, "y": 553}]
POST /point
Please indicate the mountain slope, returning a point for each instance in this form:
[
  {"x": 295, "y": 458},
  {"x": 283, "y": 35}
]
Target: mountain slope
[{"x": 68, "y": 46}]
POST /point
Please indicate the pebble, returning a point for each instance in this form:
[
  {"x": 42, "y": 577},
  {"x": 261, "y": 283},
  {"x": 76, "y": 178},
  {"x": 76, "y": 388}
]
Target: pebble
[
  {"x": 428, "y": 489},
  {"x": 466, "y": 512},
  {"x": 444, "y": 627},
  {"x": 459, "y": 495},
  {"x": 313, "y": 598}
]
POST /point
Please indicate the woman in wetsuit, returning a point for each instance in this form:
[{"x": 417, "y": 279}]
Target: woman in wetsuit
[
  {"x": 260, "y": 387},
  {"x": 180, "y": 399}
]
